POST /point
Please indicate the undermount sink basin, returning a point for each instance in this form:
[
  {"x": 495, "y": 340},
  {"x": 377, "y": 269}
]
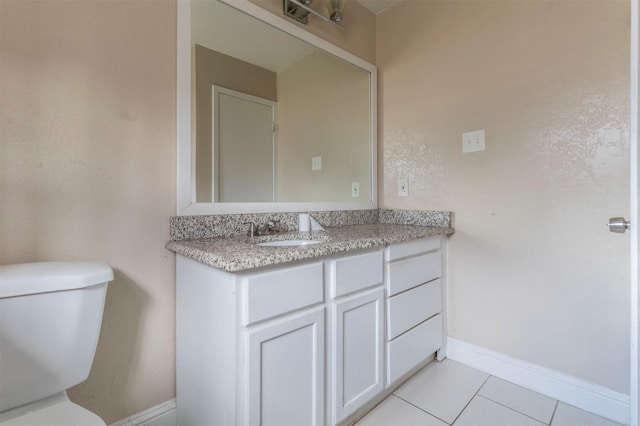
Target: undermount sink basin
[{"x": 288, "y": 243}]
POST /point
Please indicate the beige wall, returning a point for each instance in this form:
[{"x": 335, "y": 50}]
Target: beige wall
[
  {"x": 533, "y": 271},
  {"x": 215, "y": 68},
  {"x": 358, "y": 35},
  {"x": 87, "y": 171},
  {"x": 323, "y": 111}
]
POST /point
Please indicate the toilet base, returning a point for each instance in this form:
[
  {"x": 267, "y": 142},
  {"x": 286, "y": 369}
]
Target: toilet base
[{"x": 57, "y": 410}]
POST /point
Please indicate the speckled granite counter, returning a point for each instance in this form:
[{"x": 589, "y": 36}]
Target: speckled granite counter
[{"x": 240, "y": 253}]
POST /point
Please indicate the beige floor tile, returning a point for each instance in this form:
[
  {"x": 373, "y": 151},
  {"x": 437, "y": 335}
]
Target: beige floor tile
[
  {"x": 484, "y": 412},
  {"x": 396, "y": 412},
  {"x": 523, "y": 400},
  {"x": 442, "y": 389},
  {"x": 567, "y": 415}
]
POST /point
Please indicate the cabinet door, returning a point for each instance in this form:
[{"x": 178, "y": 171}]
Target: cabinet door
[
  {"x": 284, "y": 382},
  {"x": 357, "y": 350}
]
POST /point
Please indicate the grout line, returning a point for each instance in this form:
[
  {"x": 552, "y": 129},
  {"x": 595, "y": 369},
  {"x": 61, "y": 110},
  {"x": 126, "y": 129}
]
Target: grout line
[
  {"x": 421, "y": 409},
  {"x": 474, "y": 395},
  {"x": 555, "y": 409},
  {"x": 477, "y": 394},
  {"x": 520, "y": 412},
  {"x": 513, "y": 409}
]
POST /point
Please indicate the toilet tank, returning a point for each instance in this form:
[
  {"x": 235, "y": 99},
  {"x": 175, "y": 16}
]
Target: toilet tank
[{"x": 50, "y": 318}]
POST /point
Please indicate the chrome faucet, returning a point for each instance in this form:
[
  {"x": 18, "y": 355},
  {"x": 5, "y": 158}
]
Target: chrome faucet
[
  {"x": 270, "y": 227},
  {"x": 251, "y": 232}
]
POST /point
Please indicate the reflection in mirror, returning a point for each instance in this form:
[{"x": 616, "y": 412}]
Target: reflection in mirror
[
  {"x": 264, "y": 104},
  {"x": 245, "y": 134}
]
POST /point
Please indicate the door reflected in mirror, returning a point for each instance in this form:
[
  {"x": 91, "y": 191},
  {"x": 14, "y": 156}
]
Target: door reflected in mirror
[
  {"x": 244, "y": 134},
  {"x": 264, "y": 104}
]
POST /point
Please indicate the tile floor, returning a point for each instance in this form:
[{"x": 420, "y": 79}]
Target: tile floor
[{"x": 448, "y": 393}]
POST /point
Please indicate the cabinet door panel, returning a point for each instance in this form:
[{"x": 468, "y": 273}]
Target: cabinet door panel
[
  {"x": 285, "y": 372},
  {"x": 357, "y": 365}
]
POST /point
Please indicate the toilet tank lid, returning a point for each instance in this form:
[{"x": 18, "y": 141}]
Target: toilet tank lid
[{"x": 45, "y": 277}]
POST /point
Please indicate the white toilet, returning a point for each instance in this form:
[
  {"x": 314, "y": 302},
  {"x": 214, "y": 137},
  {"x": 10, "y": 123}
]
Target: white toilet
[{"x": 50, "y": 318}]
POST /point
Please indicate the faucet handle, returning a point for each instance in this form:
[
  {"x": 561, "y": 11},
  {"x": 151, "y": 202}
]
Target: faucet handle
[
  {"x": 252, "y": 228},
  {"x": 273, "y": 225}
]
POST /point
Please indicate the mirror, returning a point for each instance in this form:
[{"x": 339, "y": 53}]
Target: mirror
[{"x": 270, "y": 117}]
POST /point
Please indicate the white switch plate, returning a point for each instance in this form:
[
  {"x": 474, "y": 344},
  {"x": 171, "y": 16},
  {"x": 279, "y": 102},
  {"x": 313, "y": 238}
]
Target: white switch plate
[
  {"x": 316, "y": 163},
  {"x": 355, "y": 189},
  {"x": 403, "y": 187},
  {"x": 473, "y": 141}
]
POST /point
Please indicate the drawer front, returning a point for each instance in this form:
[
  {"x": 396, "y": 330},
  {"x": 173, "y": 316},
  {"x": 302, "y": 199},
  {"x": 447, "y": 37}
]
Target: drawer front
[
  {"x": 275, "y": 293},
  {"x": 405, "y": 274},
  {"x": 411, "y": 248},
  {"x": 354, "y": 273},
  {"x": 413, "y": 347},
  {"x": 410, "y": 308}
]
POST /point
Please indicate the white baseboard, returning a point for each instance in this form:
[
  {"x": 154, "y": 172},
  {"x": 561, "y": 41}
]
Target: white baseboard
[
  {"x": 577, "y": 392},
  {"x": 163, "y": 414}
]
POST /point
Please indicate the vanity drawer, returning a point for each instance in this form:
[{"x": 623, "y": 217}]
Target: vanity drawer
[
  {"x": 411, "y": 248},
  {"x": 413, "y": 347},
  {"x": 354, "y": 273},
  {"x": 274, "y": 293},
  {"x": 405, "y": 274},
  {"x": 407, "y": 309}
]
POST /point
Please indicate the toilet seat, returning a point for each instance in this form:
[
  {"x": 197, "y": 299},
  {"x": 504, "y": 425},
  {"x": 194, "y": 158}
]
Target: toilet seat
[{"x": 54, "y": 411}]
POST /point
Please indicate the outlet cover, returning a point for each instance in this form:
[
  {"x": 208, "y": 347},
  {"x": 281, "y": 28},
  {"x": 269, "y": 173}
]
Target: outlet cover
[
  {"x": 473, "y": 141},
  {"x": 355, "y": 189},
  {"x": 316, "y": 163},
  {"x": 403, "y": 187}
]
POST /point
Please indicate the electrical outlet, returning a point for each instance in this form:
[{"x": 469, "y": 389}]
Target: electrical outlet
[
  {"x": 473, "y": 141},
  {"x": 355, "y": 189},
  {"x": 403, "y": 187},
  {"x": 316, "y": 163}
]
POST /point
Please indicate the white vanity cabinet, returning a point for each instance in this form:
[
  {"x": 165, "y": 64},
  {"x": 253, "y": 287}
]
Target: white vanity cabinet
[
  {"x": 314, "y": 343},
  {"x": 414, "y": 302}
]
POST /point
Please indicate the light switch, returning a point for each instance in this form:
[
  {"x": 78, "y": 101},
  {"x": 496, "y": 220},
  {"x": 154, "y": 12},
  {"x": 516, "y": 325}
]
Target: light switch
[
  {"x": 473, "y": 141},
  {"x": 316, "y": 163}
]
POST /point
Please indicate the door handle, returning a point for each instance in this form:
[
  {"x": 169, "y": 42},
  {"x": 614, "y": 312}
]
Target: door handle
[{"x": 618, "y": 225}]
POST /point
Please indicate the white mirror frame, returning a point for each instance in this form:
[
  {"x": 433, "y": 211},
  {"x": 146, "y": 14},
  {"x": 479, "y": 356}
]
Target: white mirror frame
[{"x": 185, "y": 170}]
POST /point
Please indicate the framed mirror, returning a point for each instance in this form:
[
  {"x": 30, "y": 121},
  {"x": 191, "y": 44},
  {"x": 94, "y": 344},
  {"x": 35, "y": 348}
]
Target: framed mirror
[{"x": 270, "y": 117}]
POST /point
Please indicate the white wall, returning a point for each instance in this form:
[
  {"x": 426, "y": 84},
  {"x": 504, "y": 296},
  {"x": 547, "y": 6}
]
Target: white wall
[{"x": 533, "y": 272}]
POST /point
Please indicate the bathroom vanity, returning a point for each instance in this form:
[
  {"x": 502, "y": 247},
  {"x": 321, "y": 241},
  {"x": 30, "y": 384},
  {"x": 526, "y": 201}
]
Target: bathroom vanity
[
  {"x": 314, "y": 341},
  {"x": 306, "y": 335}
]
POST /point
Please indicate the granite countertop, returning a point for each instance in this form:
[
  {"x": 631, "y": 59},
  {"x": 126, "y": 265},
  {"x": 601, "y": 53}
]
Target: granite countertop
[{"x": 240, "y": 253}]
